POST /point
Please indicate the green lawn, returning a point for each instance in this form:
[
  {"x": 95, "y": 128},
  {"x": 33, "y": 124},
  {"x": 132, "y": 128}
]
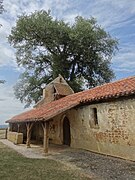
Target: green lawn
[{"x": 14, "y": 166}]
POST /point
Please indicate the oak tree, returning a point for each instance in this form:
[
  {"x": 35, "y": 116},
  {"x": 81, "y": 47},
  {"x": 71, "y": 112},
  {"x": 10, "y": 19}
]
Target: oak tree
[{"x": 45, "y": 47}]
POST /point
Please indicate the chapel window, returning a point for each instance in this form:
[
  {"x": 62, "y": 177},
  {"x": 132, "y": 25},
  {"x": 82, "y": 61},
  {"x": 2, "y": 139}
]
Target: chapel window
[
  {"x": 95, "y": 116},
  {"x": 93, "y": 121}
]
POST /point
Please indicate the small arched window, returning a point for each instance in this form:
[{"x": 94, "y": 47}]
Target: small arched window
[
  {"x": 93, "y": 121},
  {"x": 95, "y": 116}
]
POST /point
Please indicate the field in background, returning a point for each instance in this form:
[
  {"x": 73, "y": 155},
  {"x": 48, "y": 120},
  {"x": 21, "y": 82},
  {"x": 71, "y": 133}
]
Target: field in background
[{"x": 4, "y": 126}]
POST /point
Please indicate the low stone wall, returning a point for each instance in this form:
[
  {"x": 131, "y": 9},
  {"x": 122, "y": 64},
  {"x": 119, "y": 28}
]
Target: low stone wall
[{"x": 16, "y": 138}]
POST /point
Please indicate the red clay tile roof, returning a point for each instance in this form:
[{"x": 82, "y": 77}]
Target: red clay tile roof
[
  {"x": 63, "y": 89},
  {"x": 47, "y": 111},
  {"x": 124, "y": 87}
]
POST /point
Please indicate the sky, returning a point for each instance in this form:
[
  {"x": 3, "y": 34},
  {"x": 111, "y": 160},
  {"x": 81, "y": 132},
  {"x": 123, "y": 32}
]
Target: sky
[{"x": 116, "y": 16}]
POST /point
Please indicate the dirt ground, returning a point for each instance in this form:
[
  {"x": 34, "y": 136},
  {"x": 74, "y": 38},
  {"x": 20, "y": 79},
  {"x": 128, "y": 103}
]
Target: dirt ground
[{"x": 96, "y": 166}]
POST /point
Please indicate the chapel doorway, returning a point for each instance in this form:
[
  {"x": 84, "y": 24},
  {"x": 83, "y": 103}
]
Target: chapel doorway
[{"x": 66, "y": 132}]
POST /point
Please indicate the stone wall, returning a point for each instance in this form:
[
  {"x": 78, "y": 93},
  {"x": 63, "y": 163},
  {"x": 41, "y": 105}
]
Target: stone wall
[
  {"x": 113, "y": 135},
  {"x": 56, "y": 130},
  {"x": 48, "y": 93},
  {"x": 107, "y": 128}
]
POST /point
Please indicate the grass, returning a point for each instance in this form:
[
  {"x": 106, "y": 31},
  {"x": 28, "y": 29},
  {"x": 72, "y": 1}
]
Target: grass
[{"x": 15, "y": 166}]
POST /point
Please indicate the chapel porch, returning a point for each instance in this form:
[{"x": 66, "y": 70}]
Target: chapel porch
[{"x": 46, "y": 134}]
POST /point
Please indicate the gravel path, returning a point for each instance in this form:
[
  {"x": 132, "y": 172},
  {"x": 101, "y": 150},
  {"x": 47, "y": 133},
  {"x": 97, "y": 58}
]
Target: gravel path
[
  {"x": 97, "y": 166},
  {"x": 103, "y": 167}
]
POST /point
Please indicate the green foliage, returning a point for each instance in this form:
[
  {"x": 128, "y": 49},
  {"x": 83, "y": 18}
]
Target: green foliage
[
  {"x": 2, "y": 81},
  {"x": 1, "y": 7},
  {"x": 46, "y": 47},
  {"x": 1, "y": 11}
]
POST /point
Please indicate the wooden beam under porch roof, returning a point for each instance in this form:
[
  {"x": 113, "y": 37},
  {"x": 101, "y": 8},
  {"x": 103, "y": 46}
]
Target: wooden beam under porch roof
[
  {"x": 45, "y": 126},
  {"x": 29, "y": 128}
]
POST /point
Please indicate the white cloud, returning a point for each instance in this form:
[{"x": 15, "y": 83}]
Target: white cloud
[
  {"x": 9, "y": 106},
  {"x": 7, "y": 56},
  {"x": 124, "y": 61},
  {"x": 110, "y": 14},
  {"x": 70, "y": 18}
]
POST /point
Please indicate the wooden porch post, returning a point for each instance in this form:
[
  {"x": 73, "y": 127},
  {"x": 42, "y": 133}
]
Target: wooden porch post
[
  {"x": 29, "y": 128},
  {"x": 18, "y": 130},
  {"x": 45, "y": 126},
  {"x": 37, "y": 133},
  {"x": 6, "y": 133},
  {"x": 10, "y": 126}
]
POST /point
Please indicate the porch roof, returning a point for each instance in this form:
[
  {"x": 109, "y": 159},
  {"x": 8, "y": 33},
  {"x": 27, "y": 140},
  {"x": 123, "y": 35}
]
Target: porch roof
[{"x": 121, "y": 88}]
